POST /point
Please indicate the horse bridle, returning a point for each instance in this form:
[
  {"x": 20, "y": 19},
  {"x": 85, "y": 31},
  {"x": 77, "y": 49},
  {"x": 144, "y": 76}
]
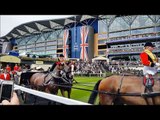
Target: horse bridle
[{"x": 63, "y": 77}]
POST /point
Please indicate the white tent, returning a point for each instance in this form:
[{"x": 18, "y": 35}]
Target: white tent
[{"x": 100, "y": 58}]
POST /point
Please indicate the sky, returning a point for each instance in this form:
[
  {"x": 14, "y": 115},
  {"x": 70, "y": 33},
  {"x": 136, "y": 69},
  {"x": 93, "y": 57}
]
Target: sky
[{"x": 8, "y": 22}]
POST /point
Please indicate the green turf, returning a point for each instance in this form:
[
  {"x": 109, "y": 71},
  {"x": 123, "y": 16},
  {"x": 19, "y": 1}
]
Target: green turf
[{"x": 84, "y": 83}]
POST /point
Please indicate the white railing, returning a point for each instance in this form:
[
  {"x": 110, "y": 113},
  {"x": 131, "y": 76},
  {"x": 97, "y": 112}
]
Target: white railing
[{"x": 48, "y": 96}]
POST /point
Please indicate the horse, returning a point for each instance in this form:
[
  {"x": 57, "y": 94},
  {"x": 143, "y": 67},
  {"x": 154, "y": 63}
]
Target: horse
[
  {"x": 125, "y": 90},
  {"x": 51, "y": 83}
]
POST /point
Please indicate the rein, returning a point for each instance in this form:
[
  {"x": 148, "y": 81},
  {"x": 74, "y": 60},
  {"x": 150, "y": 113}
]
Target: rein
[
  {"x": 64, "y": 78},
  {"x": 151, "y": 94}
]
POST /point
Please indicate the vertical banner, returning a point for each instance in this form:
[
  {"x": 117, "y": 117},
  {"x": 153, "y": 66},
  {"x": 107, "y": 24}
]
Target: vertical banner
[
  {"x": 75, "y": 42},
  {"x": 65, "y": 43},
  {"x": 84, "y": 43}
]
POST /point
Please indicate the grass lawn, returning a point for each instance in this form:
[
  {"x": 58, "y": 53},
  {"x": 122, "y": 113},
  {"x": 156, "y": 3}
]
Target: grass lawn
[{"x": 85, "y": 83}]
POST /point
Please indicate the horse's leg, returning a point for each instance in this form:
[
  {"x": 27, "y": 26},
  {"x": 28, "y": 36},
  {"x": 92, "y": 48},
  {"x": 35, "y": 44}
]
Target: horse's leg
[
  {"x": 62, "y": 92},
  {"x": 106, "y": 99},
  {"x": 69, "y": 93},
  {"x": 147, "y": 99}
]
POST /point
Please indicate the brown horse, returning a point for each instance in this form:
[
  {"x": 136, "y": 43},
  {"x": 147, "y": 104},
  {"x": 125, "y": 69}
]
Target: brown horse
[
  {"x": 50, "y": 83},
  {"x": 124, "y": 90}
]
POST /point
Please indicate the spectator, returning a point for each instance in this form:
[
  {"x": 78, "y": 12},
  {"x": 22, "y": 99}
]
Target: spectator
[
  {"x": 8, "y": 68},
  {"x": 61, "y": 60},
  {"x": 5, "y": 75},
  {"x": 16, "y": 68}
]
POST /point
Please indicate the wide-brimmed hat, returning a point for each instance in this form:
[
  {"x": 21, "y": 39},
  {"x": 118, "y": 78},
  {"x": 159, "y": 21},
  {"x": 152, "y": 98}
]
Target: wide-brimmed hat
[{"x": 149, "y": 44}]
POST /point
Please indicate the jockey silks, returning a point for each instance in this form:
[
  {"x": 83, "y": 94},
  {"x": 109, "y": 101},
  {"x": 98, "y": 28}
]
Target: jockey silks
[{"x": 148, "y": 59}]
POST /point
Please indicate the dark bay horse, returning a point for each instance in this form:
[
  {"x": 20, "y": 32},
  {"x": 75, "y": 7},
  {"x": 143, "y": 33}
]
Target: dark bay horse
[
  {"x": 117, "y": 85},
  {"x": 51, "y": 83}
]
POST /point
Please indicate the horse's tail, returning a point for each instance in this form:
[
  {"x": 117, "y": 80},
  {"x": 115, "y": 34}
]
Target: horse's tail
[{"x": 93, "y": 95}]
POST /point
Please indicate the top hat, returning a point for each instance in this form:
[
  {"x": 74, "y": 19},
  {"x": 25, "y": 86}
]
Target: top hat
[
  {"x": 149, "y": 44},
  {"x": 61, "y": 55}
]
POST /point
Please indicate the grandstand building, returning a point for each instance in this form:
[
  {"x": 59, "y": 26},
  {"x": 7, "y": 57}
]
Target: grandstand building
[{"x": 87, "y": 36}]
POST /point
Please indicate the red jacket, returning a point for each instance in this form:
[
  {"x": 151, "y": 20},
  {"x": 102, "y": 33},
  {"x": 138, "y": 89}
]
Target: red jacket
[
  {"x": 146, "y": 60},
  {"x": 8, "y": 77},
  {"x": 8, "y": 69},
  {"x": 16, "y": 68}
]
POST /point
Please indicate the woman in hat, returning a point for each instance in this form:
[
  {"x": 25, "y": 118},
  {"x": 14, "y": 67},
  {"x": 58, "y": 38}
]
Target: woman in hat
[
  {"x": 150, "y": 62},
  {"x": 61, "y": 60}
]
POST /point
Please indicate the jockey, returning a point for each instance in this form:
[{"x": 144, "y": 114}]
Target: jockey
[
  {"x": 150, "y": 62},
  {"x": 61, "y": 61}
]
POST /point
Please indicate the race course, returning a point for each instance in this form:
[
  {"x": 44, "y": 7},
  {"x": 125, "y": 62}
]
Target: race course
[{"x": 84, "y": 83}]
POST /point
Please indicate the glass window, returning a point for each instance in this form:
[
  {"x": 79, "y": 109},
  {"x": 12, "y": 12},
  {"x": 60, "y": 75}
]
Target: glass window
[
  {"x": 142, "y": 31},
  {"x": 46, "y": 35},
  {"x": 101, "y": 41},
  {"x": 102, "y": 27},
  {"x": 158, "y": 22},
  {"x": 60, "y": 42},
  {"x": 118, "y": 34},
  {"x": 60, "y": 46},
  {"x": 41, "y": 38},
  {"x": 18, "y": 40},
  {"x": 30, "y": 46},
  {"x": 40, "y": 44},
  {"x": 40, "y": 48},
  {"x": 23, "y": 42},
  {"x": 32, "y": 39},
  {"x": 51, "y": 52},
  {"x": 118, "y": 25},
  {"x": 142, "y": 21},
  {"x": 51, "y": 47},
  {"x": 101, "y": 52},
  {"x": 52, "y": 36},
  {"x": 158, "y": 29},
  {"x": 21, "y": 47},
  {"x": 61, "y": 34},
  {"x": 52, "y": 43}
]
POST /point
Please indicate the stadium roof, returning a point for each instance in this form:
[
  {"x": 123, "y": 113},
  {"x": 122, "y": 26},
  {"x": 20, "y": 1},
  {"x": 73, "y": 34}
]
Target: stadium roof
[{"x": 37, "y": 27}]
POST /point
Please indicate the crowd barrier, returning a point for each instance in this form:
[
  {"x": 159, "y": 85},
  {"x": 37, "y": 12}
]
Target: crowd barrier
[{"x": 59, "y": 99}]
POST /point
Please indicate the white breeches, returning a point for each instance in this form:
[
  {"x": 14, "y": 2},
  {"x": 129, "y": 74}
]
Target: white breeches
[{"x": 149, "y": 70}]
